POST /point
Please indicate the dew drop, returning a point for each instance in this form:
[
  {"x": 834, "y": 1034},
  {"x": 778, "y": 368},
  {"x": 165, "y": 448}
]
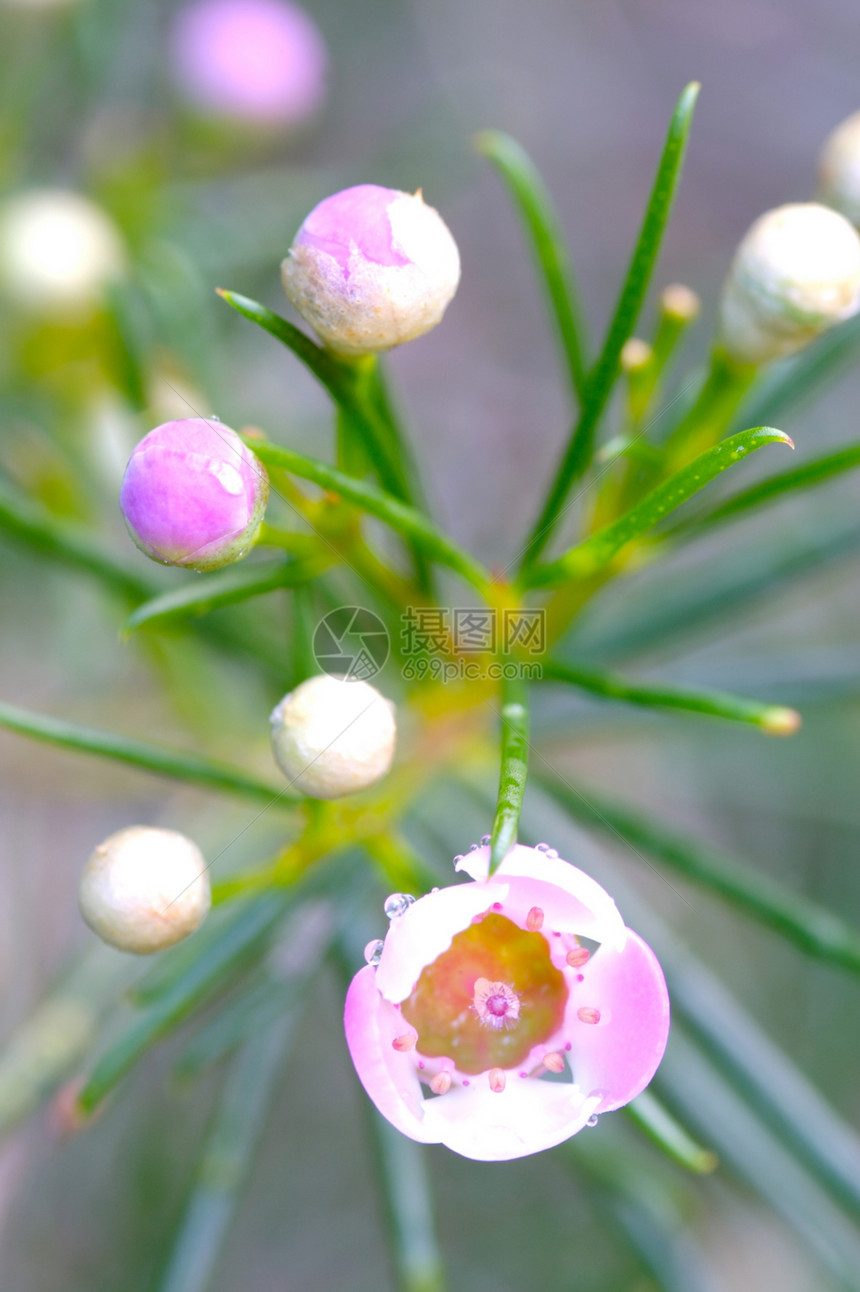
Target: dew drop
[
  {"x": 592, "y": 1121},
  {"x": 397, "y": 904},
  {"x": 485, "y": 839},
  {"x": 473, "y": 847},
  {"x": 458, "y": 858},
  {"x": 542, "y": 847},
  {"x": 373, "y": 951},
  {"x": 213, "y": 417}
]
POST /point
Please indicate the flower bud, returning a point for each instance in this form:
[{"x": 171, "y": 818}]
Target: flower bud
[
  {"x": 144, "y": 889},
  {"x": 260, "y": 61},
  {"x": 57, "y": 250},
  {"x": 370, "y": 268},
  {"x": 194, "y": 494},
  {"x": 839, "y": 169},
  {"x": 795, "y": 274},
  {"x": 333, "y": 736}
]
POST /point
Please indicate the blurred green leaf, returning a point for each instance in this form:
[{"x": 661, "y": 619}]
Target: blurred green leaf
[
  {"x": 217, "y": 956},
  {"x": 543, "y": 227},
  {"x": 175, "y": 764},
  {"x": 794, "y": 382},
  {"x": 811, "y": 927},
  {"x": 402, "y": 518},
  {"x": 600, "y": 548},
  {"x": 601, "y": 379},
  {"x": 772, "y": 718},
  {"x": 243, "y": 1106},
  {"x": 223, "y": 588},
  {"x": 514, "y": 770}
]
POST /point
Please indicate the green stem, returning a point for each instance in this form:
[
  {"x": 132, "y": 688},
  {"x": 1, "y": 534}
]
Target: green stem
[
  {"x": 725, "y": 385},
  {"x": 578, "y": 454},
  {"x": 650, "y": 1116},
  {"x": 514, "y": 770}
]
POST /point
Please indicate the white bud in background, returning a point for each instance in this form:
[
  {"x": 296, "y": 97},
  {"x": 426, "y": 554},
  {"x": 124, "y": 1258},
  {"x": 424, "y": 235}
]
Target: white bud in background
[
  {"x": 839, "y": 169},
  {"x": 680, "y": 302},
  {"x": 144, "y": 889},
  {"x": 57, "y": 250},
  {"x": 371, "y": 268},
  {"x": 795, "y": 274},
  {"x": 333, "y": 736}
]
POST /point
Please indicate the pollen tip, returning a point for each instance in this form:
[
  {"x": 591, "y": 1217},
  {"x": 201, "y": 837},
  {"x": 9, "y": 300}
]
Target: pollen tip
[
  {"x": 588, "y": 1015},
  {"x": 553, "y": 1062},
  {"x": 497, "y": 1080},
  {"x": 534, "y": 919},
  {"x": 578, "y": 957},
  {"x": 405, "y": 1042},
  {"x": 441, "y": 1083}
]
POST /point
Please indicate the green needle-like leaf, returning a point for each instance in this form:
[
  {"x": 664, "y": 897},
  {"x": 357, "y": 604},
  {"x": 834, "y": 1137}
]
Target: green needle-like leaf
[
  {"x": 224, "y": 588},
  {"x": 193, "y": 769},
  {"x": 598, "y": 550},
  {"x": 548, "y": 243},
  {"x": 401, "y": 517},
  {"x": 811, "y": 927},
  {"x": 580, "y": 448},
  {"x": 668, "y": 1134},
  {"x": 514, "y": 771},
  {"x": 772, "y": 718},
  {"x": 805, "y": 476}
]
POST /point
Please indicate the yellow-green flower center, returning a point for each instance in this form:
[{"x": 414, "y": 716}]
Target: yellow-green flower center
[{"x": 489, "y": 999}]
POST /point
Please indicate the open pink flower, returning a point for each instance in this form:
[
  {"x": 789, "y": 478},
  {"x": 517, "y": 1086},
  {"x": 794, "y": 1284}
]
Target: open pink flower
[{"x": 486, "y": 1021}]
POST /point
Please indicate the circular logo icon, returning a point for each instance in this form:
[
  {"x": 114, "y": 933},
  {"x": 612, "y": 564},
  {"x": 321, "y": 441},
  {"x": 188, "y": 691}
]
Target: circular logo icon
[{"x": 351, "y": 641}]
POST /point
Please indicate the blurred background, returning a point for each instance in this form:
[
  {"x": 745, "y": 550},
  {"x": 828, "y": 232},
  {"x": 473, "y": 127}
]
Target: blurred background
[{"x": 192, "y": 191}]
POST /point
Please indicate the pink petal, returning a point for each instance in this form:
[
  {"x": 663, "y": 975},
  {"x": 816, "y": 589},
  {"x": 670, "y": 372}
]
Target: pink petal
[
  {"x": 388, "y": 1076},
  {"x": 415, "y": 939},
  {"x": 528, "y": 1116},
  {"x": 617, "y": 1056},
  {"x": 571, "y": 900}
]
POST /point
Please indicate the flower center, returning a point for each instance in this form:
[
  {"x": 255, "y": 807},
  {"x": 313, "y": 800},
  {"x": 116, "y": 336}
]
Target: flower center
[{"x": 489, "y": 999}]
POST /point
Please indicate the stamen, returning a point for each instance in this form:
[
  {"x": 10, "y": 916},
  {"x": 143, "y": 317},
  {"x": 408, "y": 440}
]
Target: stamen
[
  {"x": 588, "y": 1015},
  {"x": 441, "y": 1083},
  {"x": 534, "y": 919},
  {"x": 497, "y": 1080},
  {"x": 578, "y": 957},
  {"x": 554, "y": 1062},
  {"x": 405, "y": 1042}
]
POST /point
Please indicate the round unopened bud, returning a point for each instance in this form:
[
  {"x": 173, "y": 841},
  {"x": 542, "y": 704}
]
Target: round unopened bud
[
  {"x": 333, "y": 736},
  {"x": 680, "y": 302},
  {"x": 194, "y": 494},
  {"x": 370, "y": 268},
  {"x": 839, "y": 169},
  {"x": 635, "y": 354},
  {"x": 795, "y": 274},
  {"x": 259, "y": 61},
  {"x": 144, "y": 889},
  {"x": 57, "y": 250}
]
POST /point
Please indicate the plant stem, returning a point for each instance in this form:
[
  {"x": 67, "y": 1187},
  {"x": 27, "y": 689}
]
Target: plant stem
[{"x": 514, "y": 770}]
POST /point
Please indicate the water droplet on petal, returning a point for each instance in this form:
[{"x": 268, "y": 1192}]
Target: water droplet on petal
[
  {"x": 458, "y": 858},
  {"x": 213, "y": 417},
  {"x": 397, "y": 904},
  {"x": 485, "y": 839},
  {"x": 542, "y": 847},
  {"x": 373, "y": 951},
  {"x": 473, "y": 847},
  {"x": 592, "y": 1121}
]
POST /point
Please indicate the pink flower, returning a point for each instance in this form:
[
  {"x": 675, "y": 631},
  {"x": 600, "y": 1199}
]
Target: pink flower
[
  {"x": 263, "y": 61},
  {"x": 370, "y": 268},
  {"x": 194, "y": 494},
  {"x": 482, "y": 990}
]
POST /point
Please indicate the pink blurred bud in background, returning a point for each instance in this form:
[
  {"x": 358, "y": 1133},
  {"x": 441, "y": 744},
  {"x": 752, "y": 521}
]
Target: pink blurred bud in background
[{"x": 260, "y": 61}]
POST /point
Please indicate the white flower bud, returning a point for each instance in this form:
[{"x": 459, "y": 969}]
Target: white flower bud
[
  {"x": 333, "y": 736},
  {"x": 795, "y": 274},
  {"x": 371, "y": 268},
  {"x": 144, "y": 889},
  {"x": 839, "y": 169},
  {"x": 57, "y": 250}
]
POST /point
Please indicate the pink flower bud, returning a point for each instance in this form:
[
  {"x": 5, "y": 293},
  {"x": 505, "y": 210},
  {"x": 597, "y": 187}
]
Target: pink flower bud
[
  {"x": 371, "y": 268},
  {"x": 493, "y": 1000},
  {"x": 262, "y": 61},
  {"x": 194, "y": 494}
]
